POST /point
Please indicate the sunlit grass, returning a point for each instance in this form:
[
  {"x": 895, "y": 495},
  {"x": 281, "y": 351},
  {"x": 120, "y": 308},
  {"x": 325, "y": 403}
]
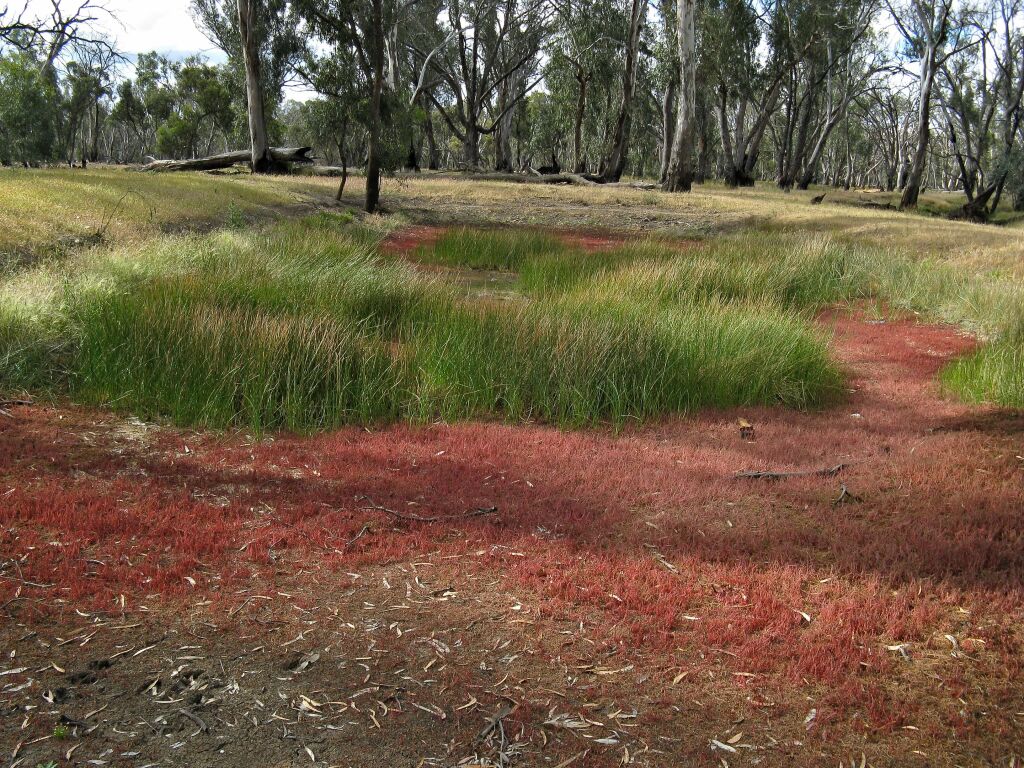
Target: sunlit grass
[{"x": 67, "y": 208}]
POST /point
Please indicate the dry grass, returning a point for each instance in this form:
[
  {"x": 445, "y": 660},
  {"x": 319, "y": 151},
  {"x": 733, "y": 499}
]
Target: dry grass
[
  {"x": 40, "y": 209},
  {"x": 710, "y": 209}
]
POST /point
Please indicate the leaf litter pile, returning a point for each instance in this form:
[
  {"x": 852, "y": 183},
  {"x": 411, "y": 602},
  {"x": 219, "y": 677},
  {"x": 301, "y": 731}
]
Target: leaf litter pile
[{"x": 752, "y": 588}]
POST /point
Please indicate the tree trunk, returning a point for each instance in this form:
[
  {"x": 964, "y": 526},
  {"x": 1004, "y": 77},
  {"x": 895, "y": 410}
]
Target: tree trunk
[
  {"x": 343, "y": 159},
  {"x": 916, "y": 172},
  {"x": 247, "y": 15},
  {"x": 729, "y": 170},
  {"x": 94, "y": 153},
  {"x": 471, "y": 147},
  {"x": 579, "y": 164},
  {"x": 615, "y": 162},
  {"x": 796, "y": 157},
  {"x": 503, "y": 128},
  {"x": 811, "y": 166},
  {"x": 377, "y": 86},
  {"x": 668, "y": 125},
  {"x": 433, "y": 156},
  {"x": 680, "y": 168}
]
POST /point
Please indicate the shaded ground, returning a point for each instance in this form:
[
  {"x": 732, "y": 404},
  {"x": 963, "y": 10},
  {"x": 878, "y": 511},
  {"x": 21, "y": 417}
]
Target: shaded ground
[{"x": 630, "y": 602}]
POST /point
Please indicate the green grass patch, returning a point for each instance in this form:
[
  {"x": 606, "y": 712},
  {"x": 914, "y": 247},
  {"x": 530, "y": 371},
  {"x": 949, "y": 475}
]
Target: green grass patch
[
  {"x": 578, "y": 362},
  {"x": 994, "y": 374},
  {"x": 495, "y": 249},
  {"x": 304, "y": 326},
  {"x": 785, "y": 271}
]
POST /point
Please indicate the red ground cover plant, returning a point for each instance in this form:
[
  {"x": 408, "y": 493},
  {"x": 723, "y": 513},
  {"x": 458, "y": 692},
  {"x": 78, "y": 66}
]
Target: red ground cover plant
[{"x": 647, "y": 534}]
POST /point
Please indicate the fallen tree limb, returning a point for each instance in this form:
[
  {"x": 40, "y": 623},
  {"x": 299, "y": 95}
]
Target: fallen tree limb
[
  {"x": 329, "y": 171},
  {"x": 826, "y": 472},
  {"x": 420, "y": 519},
  {"x": 281, "y": 155},
  {"x": 535, "y": 177},
  {"x": 15, "y": 403}
]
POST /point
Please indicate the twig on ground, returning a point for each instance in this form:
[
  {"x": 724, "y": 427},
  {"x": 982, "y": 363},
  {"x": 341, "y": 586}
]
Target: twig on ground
[
  {"x": 365, "y": 530},
  {"x": 203, "y": 727},
  {"x": 826, "y": 472},
  {"x": 15, "y": 403},
  {"x": 845, "y": 497},
  {"x": 420, "y": 519}
]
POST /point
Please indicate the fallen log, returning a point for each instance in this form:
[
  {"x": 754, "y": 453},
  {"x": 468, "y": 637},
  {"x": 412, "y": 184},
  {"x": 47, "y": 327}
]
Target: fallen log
[
  {"x": 826, "y": 472},
  {"x": 535, "y": 177},
  {"x": 327, "y": 171},
  {"x": 281, "y": 156}
]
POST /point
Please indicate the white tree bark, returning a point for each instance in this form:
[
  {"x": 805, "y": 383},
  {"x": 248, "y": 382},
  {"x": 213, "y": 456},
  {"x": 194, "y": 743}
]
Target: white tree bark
[
  {"x": 247, "y": 14},
  {"x": 680, "y": 168}
]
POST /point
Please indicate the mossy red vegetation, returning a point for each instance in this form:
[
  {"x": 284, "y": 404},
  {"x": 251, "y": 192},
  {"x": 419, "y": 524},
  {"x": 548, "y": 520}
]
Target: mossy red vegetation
[{"x": 647, "y": 534}]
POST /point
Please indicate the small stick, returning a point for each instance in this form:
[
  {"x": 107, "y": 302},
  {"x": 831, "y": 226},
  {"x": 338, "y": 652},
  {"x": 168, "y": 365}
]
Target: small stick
[
  {"x": 14, "y": 403},
  {"x": 195, "y": 719},
  {"x": 421, "y": 519},
  {"x": 365, "y": 530},
  {"x": 845, "y": 497},
  {"x": 826, "y": 472}
]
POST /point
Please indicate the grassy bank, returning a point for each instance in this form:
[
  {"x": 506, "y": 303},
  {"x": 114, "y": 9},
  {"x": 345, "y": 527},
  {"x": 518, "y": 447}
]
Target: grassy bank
[
  {"x": 62, "y": 210},
  {"x": 305, "y": 325}
]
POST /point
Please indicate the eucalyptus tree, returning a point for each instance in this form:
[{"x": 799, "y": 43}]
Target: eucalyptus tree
[
  {"x": 679, "y": 173},
  {"x": 262, "y": 40},
  {"x": 979, "y": 90},
  {"x": 488, "y": 63},
  {"x": 861, "y": 65},
  {"x": 614, "y": 163},
  {"x": 884, "y": 114},
  {"x": 355, "y": 33},
  {"x": 583, "y": 53},
  {"x": 821, "y": 45},
  {"x": 249, "y": 37},
  {"x": 334, "y": 120},
  {"x": 64, "y": 26},
  {"x": 745, "y": 80},
  {"x": 29, "y": 110},
  {"x": 933, "y": 34}
]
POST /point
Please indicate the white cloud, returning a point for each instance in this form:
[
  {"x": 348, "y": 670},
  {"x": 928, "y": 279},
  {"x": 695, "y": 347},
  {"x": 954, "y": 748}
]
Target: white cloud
[
  {"x": 140, "y": 26},
  {"x": 164, "y": 26}
]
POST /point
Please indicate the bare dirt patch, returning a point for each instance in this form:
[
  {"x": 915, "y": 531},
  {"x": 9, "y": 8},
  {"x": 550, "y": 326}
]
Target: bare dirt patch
[{"x": 786, "y": 620}]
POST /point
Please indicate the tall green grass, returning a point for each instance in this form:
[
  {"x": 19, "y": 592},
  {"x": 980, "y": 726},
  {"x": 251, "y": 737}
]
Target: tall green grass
[
  {"x": 993, "y": 374},
  {"x": 303, "y": 326},
  {"x": 793, "y": 271},
  {"x": 204, "y": 364},
  {"x": 577, "y": 362},
  {"x": 495, "y": 249}
]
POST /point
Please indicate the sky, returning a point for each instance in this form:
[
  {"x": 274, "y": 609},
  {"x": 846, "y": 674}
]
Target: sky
[
  {"x": 140, "y": 26},
  {"x": 164, "y": 26}
]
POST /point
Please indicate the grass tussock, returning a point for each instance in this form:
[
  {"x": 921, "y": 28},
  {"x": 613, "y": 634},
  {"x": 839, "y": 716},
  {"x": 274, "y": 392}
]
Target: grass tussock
[
  {"x": 577, "y": 362},
  {"x": 993, "y": 374},
  {"x": 789, "y": 272},
  {"x": 304, "y": 326}
]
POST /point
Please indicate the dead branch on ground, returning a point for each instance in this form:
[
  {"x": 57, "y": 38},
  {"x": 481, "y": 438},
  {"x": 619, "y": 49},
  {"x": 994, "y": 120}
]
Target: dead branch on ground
[
  {"x": 826, "y": 472},
  {"x": 421, "y": 519}
]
